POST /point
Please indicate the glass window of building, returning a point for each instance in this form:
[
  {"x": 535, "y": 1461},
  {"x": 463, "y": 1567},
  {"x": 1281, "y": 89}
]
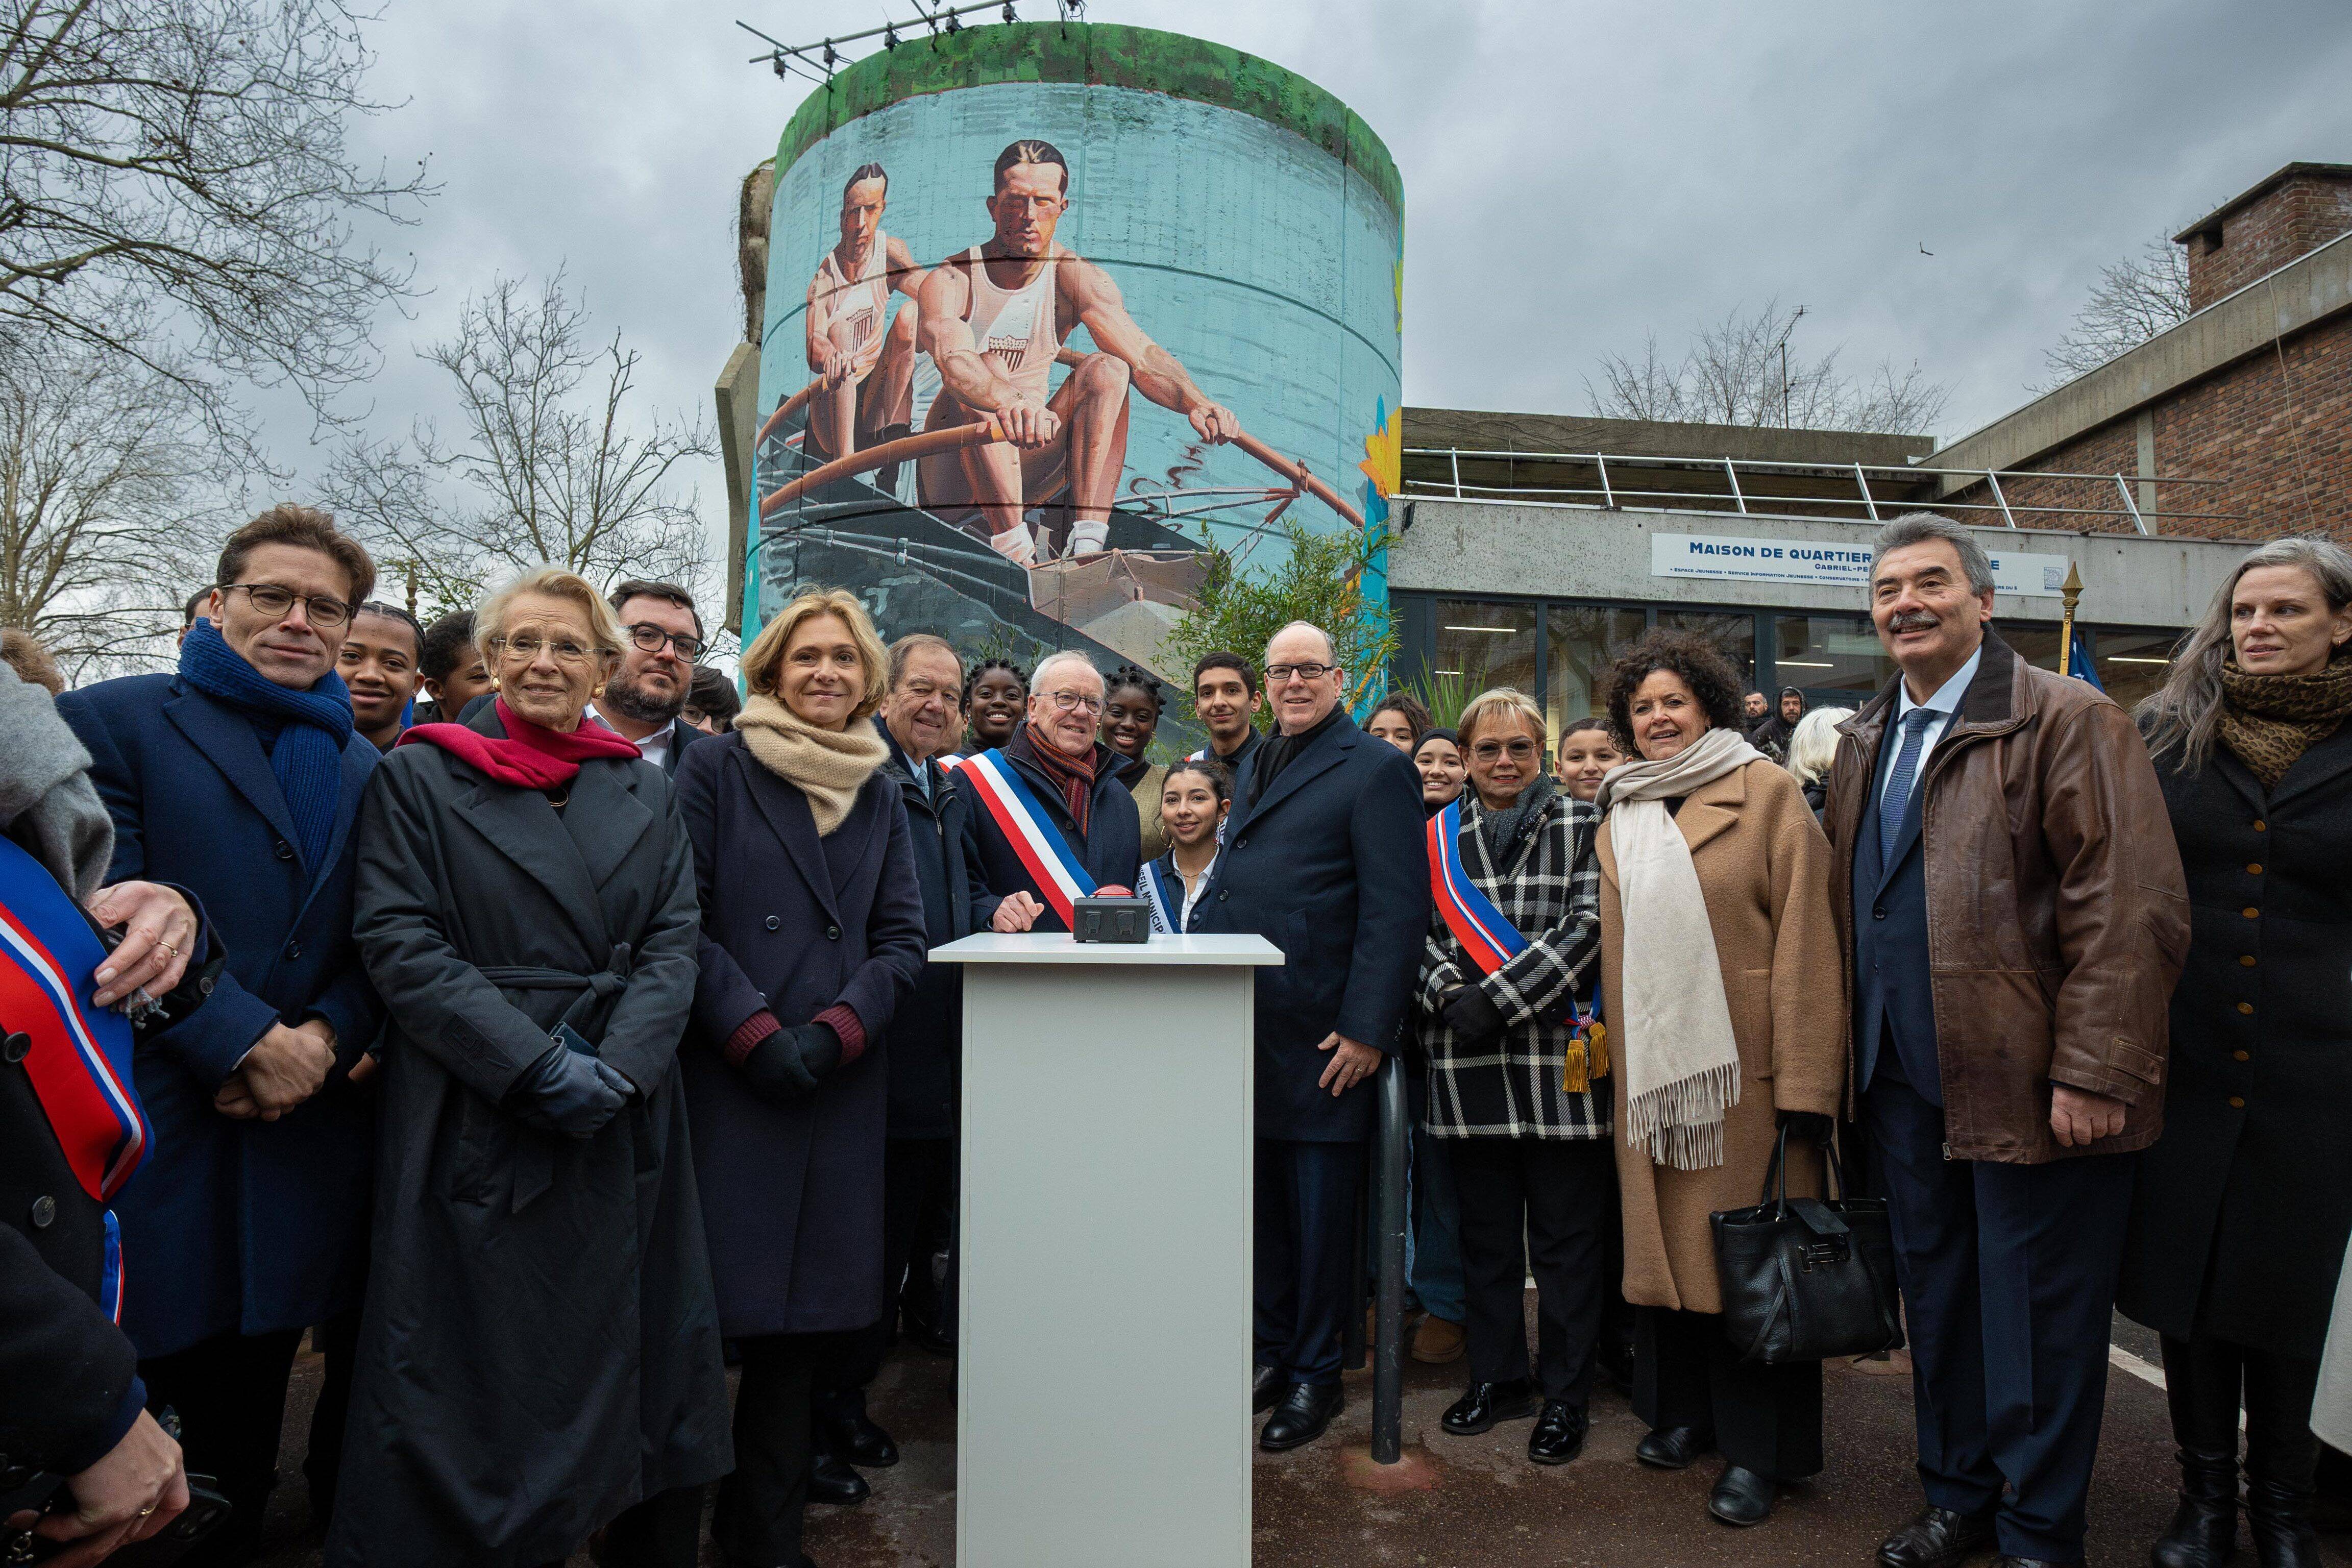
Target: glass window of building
[
  {"x": 1480, "y": 645},
  {"x": 2132, "y": 664},
  {"x": 1734, "y": 636},
  {"x": 1580, "y": 641},
  {"x": 1833, "y": 659},
  {"x": 2037, "y": 644}
]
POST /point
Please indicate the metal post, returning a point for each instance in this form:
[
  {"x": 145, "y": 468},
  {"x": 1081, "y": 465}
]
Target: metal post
[
  {"x": 1388, "y": 1342},
  {"x": 1864, "y": 481},
  {"x": 1733, "y": 475},
  {"x": 1455, "y": 454},
  {"x": 1601, "y": 461},
  {"x": 2124, "y": 490},
  {"x": 1994, "y": 480}
]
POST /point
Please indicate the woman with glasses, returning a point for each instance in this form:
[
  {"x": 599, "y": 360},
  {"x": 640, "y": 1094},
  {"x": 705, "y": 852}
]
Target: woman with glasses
[
  {"x": 1514, "y": 1074},
  {"x": 1052, "y": 789},
  {"x": 1130, "y": 717},
  {"x": 813, "y": 933},
  {"x": 539, "y": 1357}
]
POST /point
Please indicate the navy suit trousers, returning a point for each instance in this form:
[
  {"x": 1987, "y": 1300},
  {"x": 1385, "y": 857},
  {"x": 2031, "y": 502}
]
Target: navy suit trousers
[
  {"x": 2009, "y": 1274},
  {"x": 1305, "y": 1254}
]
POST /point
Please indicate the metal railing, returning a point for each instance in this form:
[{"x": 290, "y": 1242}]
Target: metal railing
[{"x": 1612, "y": 493}]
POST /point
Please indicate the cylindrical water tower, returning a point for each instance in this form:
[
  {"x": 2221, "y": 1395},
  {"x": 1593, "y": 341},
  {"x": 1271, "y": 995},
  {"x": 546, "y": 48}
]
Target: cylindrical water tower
[{"x": 1186, "y": 262}]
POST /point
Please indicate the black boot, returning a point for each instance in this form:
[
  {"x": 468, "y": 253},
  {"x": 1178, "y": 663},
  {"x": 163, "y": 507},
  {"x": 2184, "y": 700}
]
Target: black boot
[
  {"x": 2279, "y": 1518},
  {"x": 2204, "y": 1532},
  {"x": 2281, "y": 1459}
]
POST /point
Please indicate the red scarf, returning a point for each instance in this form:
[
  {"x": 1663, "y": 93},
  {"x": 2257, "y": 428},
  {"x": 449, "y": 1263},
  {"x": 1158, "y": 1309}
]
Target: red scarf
[
  {"x": 529, "y": 755},
  {"x": 1073, "y": 776}
]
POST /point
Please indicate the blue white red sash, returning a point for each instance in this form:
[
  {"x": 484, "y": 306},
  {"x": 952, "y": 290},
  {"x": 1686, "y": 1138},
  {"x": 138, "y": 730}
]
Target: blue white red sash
[
  {"x": 1052, "y": 864},
  {"x": 79, "y": 1061},
  {"x": 1163, "y": 885},
  {"x": 1486, "y": 934}
]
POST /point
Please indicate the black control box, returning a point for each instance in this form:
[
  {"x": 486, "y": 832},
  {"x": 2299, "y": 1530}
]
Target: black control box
[{"x": 1111, "y": 920}]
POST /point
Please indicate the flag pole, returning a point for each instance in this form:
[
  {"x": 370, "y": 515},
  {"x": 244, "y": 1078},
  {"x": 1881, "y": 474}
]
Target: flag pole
[{"x": 2069, "y": 594}]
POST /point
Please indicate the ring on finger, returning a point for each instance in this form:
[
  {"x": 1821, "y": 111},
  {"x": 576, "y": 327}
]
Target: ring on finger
[{"x": 167, "y": 947}]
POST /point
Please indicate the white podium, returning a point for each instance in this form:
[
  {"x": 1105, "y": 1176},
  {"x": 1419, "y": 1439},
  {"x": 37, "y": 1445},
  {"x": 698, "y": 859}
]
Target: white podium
[{"x": 1104, "y": 1335}]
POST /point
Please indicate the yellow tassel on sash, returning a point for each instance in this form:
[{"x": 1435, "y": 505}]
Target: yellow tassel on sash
[{"x": 1588, "y": 1060}]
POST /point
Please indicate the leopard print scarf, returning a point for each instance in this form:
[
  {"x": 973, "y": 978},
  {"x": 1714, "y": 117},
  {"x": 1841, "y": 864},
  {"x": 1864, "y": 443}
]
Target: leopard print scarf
[{"x": 2269, "y": 720}]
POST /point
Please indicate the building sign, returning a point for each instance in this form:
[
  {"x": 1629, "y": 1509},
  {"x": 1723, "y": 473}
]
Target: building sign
[{"x": 1824, "y": 564}]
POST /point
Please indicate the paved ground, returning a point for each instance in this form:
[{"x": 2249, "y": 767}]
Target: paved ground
[{"x": 1463, "y": 1501}]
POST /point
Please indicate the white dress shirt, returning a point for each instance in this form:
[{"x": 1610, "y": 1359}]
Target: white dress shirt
[
  {"x": 1945, "y": 704},
  {"x": 654, "y": 748}
]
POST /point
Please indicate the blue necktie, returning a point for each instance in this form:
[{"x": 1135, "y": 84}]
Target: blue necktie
[{"x": 1894, "y": 800}]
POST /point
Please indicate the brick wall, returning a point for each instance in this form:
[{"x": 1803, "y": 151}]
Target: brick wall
[
  {"x": 2299, "y": 214},
  {"x": 2282, "y": 448}
]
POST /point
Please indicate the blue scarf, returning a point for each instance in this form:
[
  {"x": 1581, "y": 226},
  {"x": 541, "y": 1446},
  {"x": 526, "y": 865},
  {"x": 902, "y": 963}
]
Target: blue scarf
[{"x": 313, "y": 726}]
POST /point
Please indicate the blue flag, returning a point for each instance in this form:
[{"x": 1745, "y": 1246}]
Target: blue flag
[{"x": 2079, "y": 665}]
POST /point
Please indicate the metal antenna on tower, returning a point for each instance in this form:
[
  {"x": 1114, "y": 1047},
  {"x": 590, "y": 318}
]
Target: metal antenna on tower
[{"x": 809, "y": 59}]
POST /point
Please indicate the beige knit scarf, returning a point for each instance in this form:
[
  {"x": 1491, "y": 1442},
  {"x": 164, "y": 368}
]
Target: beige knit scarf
[
  {"x": 829, "y": 766},
  {"x": 1671, "y": 1028}
]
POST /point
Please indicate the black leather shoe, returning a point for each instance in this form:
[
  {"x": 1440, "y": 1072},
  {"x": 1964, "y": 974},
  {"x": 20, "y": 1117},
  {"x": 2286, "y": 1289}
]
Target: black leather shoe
[
  {"x": 1304, "y": 1412},
  {"x": 832, "y": 1480},
  {"x": 1742, "y": 1497},
  {"x": 2278, "y": 1517},
  {"x": 1266, "y": 1384},
  {"x": 1937, "y": 1538},
  {"x": 1558, "y": 1436},
  {"x": 2204, "y": 1532},
  {"x": 853, "y": 1437},
  {"x": 1486, "y": 1402},
  {"x": 1673, "y": 1447}
]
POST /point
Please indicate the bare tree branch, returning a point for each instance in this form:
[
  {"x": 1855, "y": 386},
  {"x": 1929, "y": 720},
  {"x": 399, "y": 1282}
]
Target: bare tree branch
[
  {"x": 2134, "y": 299},
  {"x": 1733, "y": 375},
  {"x": 553, "y": 464}
]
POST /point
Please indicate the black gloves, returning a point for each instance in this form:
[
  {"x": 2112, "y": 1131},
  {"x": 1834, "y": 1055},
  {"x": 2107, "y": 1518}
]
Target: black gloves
[
  {"x": 789, "y": 1064},
  {"x": 1471, "y": 1016},
  {"x": 1810, "y": 1125},
  {"x": 568, "y": 1092}
]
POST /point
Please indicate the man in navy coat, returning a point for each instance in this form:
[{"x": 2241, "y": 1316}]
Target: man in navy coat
[
  {"x": 1322, "y": 858},
  {"x": 1069, "y": 775},
  {"x": 238, "y": 778}
]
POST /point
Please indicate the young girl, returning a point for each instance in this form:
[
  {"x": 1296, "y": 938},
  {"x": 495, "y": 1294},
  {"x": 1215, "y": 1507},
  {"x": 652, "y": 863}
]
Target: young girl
[
  {"x": 1439, "y": 758},
  {"x": 995, "y": 697},
  {"x": 1131, "y": 717},
  {"x": 1193, "y": 800},
  {"x": 1587, "y": 752}
]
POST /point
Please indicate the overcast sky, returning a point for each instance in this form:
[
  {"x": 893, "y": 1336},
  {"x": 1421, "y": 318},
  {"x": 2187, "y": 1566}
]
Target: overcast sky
[{"x": 1577, "y": 175}]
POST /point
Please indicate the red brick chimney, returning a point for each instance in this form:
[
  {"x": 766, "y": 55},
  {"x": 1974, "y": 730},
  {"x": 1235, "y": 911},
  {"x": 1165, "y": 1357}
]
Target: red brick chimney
[{"x": 2289, "y": 215}]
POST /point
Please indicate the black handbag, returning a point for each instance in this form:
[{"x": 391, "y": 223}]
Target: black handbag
[{"x": 1807, "y": 1279}]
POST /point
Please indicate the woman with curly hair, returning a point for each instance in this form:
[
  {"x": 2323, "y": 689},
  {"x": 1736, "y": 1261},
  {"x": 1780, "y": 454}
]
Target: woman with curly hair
[
  {"x": 995, "y": 699},
  {"x": 1130, "y": 717},
  {"x": 1725, "y": 996}
]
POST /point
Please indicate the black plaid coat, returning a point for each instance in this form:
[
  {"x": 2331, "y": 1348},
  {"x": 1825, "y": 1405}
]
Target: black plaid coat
[{"x": 1548, "y": 886}]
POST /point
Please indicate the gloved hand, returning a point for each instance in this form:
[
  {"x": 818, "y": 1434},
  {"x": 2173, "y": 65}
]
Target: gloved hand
[
  {"x": 787, "y": 1064},
  {"x": 568, "y": 1092},
  {"x": 1471, "y": 1016},
  {"x": 1810, "y": 1125}
]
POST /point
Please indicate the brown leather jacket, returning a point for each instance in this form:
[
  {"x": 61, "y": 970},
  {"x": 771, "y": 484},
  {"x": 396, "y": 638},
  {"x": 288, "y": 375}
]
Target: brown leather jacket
[{"x": 2057, "y": 915}]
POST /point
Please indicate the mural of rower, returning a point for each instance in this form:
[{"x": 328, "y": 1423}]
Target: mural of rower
[
  {"x": 865, "y": 359},
  {"x": 994, "y": 322}
]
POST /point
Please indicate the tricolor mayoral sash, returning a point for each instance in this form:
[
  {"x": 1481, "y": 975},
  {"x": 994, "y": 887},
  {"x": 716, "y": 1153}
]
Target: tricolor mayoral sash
[
  {"x": 1491, "y": 941},
  {"x": 79, "y": 1060},
  {"x": 1163, "y": 886},
  {"x": 1052, "y": 864}
]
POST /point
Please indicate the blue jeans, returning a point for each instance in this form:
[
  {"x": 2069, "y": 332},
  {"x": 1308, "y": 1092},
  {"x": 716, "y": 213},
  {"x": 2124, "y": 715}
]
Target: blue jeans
[{"x": 1434, "y": 1238}]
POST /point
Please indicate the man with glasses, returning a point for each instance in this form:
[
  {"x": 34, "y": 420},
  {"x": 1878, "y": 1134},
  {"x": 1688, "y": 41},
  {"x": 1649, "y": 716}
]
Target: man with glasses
[
  {"x": 1322, "y": 858},
  {"x": 644, "y": 699},
  {"x": 238, "y": 779},
  {"x": 1052, "y": 791}
]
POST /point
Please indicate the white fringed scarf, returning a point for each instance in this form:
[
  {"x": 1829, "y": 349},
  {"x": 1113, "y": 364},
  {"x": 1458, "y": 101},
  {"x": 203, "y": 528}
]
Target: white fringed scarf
[{"x": 1671, "y": 1032}]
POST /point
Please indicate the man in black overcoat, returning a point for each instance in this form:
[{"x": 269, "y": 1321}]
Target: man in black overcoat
[{"x": 1322, "y": 858}]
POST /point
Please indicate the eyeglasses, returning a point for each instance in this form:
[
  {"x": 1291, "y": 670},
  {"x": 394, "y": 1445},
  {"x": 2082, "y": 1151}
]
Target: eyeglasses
[
  {"x": 1070, "y": 702},
  {"x": 1275, "y": 674},
  {"x": 651, "y": 638},
  {"x": 319, "y": 609},
  {"x": 524, "y": 648},
  {"x": 1522, "y": 750}
]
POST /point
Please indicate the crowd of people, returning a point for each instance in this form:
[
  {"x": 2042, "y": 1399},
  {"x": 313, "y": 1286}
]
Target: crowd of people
[{"x": 540, "y": 1029}]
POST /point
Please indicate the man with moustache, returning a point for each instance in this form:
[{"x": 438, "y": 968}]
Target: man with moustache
[
  {"x": 644, "y": 700},
  {"x": 2007, "y": 1072},
  {"x": 1319, "y": 860}
]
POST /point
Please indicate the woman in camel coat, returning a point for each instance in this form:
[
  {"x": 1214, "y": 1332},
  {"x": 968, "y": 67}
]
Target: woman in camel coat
[{"x": 1740, "y": 822}]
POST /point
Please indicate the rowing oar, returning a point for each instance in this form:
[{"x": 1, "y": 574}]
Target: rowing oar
[
  {"x": 905, "y": 449},
  {"x": 1298, "y": 475},
  {"x": 785, "y": 410}
]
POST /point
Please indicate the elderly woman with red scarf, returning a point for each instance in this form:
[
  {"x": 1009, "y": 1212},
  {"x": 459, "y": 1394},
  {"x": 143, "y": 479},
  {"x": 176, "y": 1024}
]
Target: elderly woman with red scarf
[
  {"x": 1049, "y": 815},
  {"x": 539, "y": 1357}
]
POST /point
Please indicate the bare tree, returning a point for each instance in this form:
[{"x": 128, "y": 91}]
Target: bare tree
[
  {"x": 2134, "y": 299},
  {"x": 1739, "y": 371},
  {"x": 108, "y": 503},
  {"x": 554, "y": 465},
  {"x": 176, "y": 191}
]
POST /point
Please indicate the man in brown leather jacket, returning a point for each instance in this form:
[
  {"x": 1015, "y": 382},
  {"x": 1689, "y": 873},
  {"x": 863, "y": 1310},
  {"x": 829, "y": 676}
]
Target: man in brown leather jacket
[{"x": 2013, "y": 908}]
